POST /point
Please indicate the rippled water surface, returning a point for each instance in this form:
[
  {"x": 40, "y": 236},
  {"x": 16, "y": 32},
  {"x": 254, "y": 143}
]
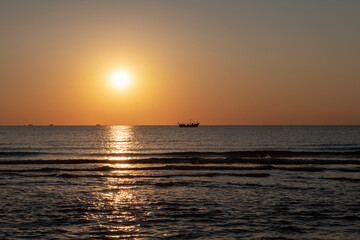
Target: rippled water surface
[{"x": 165, "y": 182}]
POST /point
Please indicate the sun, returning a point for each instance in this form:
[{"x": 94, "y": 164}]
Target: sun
[{"x": 120, "y": 79}]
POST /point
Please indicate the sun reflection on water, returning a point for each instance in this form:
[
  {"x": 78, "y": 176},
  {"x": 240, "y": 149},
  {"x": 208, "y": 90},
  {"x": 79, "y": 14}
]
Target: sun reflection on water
[
  {"x": 117, "y": 158},
  {"x": 118, "y": 208},
  {"x": 120, "y": 142},
  {"x": 120, "y": 204},
  {"x": 121, "y": 165}
]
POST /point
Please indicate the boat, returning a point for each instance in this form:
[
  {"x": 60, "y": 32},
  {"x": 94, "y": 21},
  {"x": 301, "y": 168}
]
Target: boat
[{"x": 190, "y": 124}]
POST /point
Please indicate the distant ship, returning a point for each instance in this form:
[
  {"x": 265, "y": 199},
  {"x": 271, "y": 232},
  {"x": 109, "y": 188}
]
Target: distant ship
[{"x": 190, "y": 124}]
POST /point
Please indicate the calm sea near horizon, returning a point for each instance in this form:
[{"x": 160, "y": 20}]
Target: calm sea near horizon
[{"x": 166, "y": 182}]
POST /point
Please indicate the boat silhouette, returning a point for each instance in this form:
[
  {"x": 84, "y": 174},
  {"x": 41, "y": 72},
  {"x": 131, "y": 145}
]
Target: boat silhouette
[{"x": 190, "y": 124}]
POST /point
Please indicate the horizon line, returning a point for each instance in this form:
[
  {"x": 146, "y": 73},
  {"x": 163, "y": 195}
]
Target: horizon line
[{"x": 108, "y": 125}]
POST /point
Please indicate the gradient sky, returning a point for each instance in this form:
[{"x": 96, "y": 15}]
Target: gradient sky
[{"x": 219, "y": 62}]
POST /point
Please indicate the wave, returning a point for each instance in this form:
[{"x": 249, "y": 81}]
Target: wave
[
  {"x": 343, "y": 179},
  {"x": 171, "y": 184},
  {"x": 356, "y": 169},
  {"x": 303, "y": 169},
  {"x": 264, "y": 153},
  {"x": 20, "y": 153},
  {"x": 229, "y": 154},
  {"x": 167, "y": 167},
  {"x": 230, "y": 170},
  {"x": 190, "y": 160},
  {"x": 71, "y": 175},
  {"x": 333, "y": 145}
]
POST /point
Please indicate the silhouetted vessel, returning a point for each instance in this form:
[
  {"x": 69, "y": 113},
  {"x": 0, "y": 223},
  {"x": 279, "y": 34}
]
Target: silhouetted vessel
[{"x": 190, "y": 124}]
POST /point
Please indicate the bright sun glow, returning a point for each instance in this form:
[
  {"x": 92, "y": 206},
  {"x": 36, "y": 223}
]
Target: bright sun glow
[{"x": 120, "y": 79}]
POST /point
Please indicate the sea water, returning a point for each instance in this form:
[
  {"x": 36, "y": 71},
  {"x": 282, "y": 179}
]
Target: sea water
[{"x": 165, "y": 182}]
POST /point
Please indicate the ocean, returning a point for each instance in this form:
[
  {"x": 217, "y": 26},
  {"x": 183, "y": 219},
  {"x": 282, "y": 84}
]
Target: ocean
[{"x": 166, "y": 182}]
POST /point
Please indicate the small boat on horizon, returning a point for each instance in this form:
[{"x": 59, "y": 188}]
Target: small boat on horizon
[{"x": 190, "y": 124}]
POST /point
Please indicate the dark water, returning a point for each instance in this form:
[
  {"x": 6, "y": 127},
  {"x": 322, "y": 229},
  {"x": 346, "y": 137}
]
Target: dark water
[{"x": 165, "y": 182}]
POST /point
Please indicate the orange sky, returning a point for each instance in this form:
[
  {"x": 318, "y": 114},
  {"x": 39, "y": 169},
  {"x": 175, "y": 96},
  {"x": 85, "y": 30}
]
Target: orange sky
[{"x": 218, "y": 62}]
